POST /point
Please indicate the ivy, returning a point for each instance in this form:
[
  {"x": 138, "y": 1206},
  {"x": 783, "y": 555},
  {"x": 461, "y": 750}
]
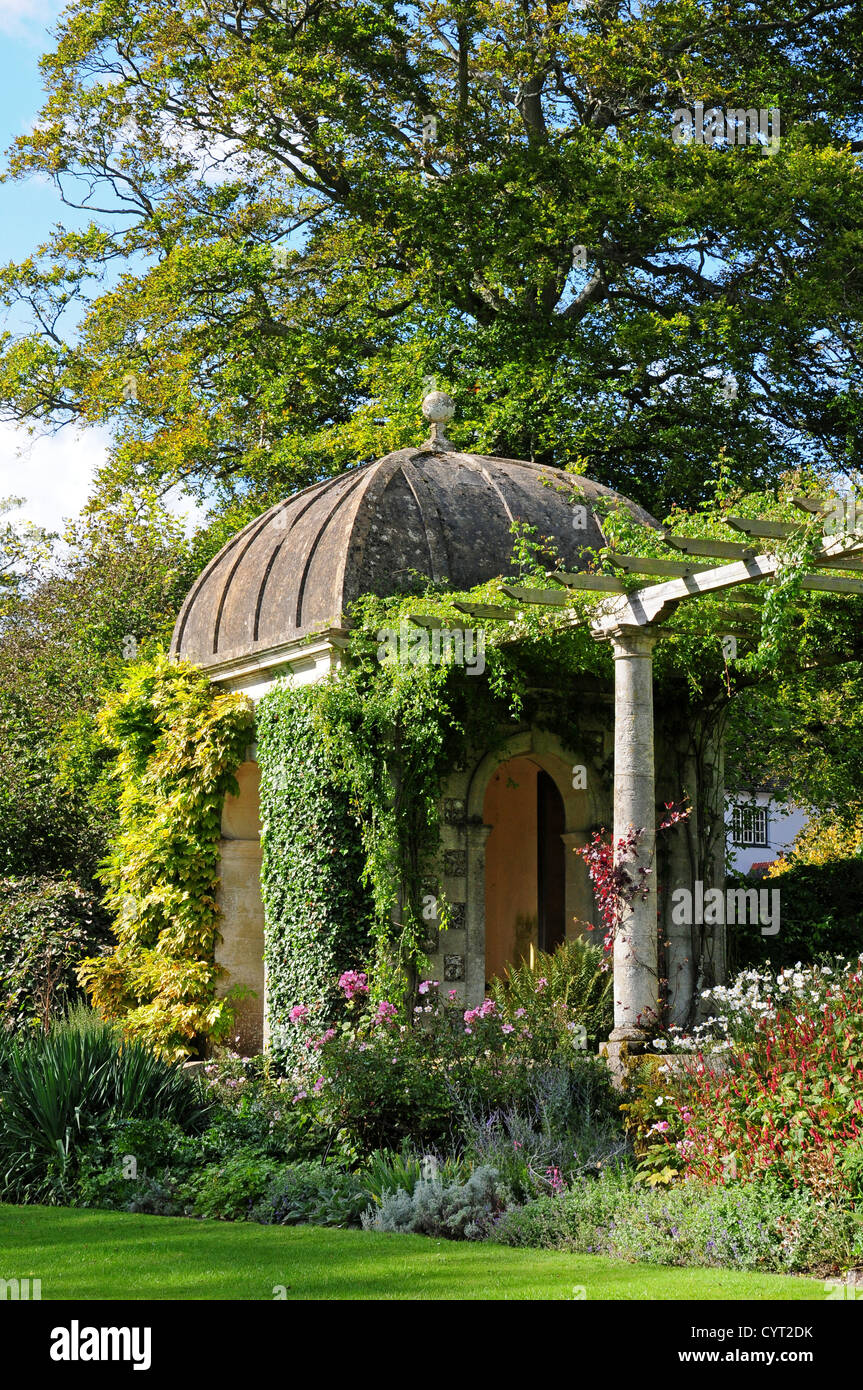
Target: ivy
[
  {"x": 178, "y": 743},
  {"x": 317, "y": 910}
]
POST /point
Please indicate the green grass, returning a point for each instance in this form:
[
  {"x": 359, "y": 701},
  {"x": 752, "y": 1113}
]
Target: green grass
[{"x": 85, "y": 1255}]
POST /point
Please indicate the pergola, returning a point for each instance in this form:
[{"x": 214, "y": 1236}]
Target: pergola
[{"x": 629, "y": 619}]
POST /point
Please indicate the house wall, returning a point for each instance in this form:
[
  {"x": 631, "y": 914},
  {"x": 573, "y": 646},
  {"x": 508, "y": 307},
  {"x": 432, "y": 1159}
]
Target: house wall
[{"x": 784, "y": 823}]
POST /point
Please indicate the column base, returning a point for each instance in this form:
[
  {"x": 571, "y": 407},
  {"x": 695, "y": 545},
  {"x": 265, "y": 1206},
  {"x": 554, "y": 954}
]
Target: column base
[{"x": 622, "y": 1044}]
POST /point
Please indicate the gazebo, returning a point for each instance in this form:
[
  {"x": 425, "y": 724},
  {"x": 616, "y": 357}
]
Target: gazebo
[{"x": 274, "y": 605}]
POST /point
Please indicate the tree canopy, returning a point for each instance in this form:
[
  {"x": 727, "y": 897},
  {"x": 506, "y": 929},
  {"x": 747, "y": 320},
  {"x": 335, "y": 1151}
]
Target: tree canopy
[{"x": 303, "y": 213}]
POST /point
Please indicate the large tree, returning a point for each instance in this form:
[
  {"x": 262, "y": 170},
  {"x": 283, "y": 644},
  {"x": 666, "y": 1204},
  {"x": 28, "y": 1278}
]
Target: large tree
[{"x": 303, "y": 212}]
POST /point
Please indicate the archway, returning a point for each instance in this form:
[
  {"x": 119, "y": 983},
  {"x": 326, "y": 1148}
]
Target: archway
[{"x": 525, "y": 864}]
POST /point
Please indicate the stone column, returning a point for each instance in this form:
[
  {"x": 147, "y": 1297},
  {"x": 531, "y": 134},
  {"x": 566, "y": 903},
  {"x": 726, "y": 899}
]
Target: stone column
[{"x": 636, "y": 975}]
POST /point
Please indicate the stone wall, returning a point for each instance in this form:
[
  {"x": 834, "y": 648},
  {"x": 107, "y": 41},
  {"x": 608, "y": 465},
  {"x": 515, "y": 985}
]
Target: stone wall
[{"x": 240, "y": 952}]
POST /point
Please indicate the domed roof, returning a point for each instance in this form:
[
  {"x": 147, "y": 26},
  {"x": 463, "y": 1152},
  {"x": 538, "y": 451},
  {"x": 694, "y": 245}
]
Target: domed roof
[{"x": 432, "y": 510}]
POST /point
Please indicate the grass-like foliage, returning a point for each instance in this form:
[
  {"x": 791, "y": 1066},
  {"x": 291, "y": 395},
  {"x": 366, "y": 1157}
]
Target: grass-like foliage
[{"x": 66, "y": 1090}]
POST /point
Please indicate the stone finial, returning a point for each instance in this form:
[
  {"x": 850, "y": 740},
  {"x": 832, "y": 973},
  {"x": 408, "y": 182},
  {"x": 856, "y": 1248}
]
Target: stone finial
[{"x": 438, "y": 408}]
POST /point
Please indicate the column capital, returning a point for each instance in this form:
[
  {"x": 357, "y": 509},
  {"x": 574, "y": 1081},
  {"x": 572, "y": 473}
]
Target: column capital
[{"x": 631, "y": 641}]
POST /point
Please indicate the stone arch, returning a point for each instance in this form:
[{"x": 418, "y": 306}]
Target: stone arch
[{"x": 583, "y": 808}]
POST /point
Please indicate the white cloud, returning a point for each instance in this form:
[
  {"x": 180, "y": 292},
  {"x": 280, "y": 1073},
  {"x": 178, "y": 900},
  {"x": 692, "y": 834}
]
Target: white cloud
[
  {"x": 53, "y": 473},
  {"x": 28, "y": 18}
]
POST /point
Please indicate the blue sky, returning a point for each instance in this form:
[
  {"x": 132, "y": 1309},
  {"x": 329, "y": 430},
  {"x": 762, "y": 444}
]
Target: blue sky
[{"x": 53, "y": 474}]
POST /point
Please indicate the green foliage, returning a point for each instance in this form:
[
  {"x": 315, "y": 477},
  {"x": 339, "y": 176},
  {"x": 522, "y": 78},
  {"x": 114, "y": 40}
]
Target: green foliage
[
  {"x": 317, "y": 910},
  {"x": 47, "y": 927},
  {"x": 178, "y": 744},
  {"x": 308, "y": 1193},
  {"x": 455, "y": 1210},
  {"x": 64, "y": 1092},
  {"x": 851, "y": 1164},
  {"x": 280, "y": 317},
  {"x": 733, "y": 1227},
  {"x": 228, "y": 1189},
  {"x": 109, "y": 589},
  {"x": 822, "y": 916},
  {"x": 577, "y": 992}
]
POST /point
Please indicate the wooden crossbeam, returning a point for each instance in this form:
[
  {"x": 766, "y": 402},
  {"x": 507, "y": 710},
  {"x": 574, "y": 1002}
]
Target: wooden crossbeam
[
  {"x": 424, "y": 620},
  {"x": 597, "y": 583},
  {"x": 814, "y": 505},
  {"x": 711, "y": 549},
  {"x": 644, "y": 606},
  {"x": 650, "y": 564},
  {"x": 740, "y": 613},
  {"x": 764, "y": 530},
  {"x": 832, "y": 584},
  {"x": 847, "y": 562},
  {"x": 485, "y": 610},
  {"x": 749, "y": 593},
  {"x": 553, "y": 597}
]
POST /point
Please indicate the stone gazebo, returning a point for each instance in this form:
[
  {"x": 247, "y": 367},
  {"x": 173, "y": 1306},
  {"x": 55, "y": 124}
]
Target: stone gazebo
[{"x": 271, "y": 605}]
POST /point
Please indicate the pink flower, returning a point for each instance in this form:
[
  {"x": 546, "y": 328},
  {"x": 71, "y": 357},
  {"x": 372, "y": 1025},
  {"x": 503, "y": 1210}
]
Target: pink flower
[
  {"x": 507, "y": 1028},
  {"x": 541, "y": 983},
  {"x": 427, "y": 985},
  {"x": 298, "y": 1013},
  {"x": 520, "y": 1013},
  {"x": 353, "y": 982},
  {"x": 386, "y": 1011},
  {"x": 451, "y": 994}
]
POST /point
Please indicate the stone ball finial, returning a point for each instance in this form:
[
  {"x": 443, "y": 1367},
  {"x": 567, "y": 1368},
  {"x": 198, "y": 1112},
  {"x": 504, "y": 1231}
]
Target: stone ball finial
[{"x": 438, "y": 407}]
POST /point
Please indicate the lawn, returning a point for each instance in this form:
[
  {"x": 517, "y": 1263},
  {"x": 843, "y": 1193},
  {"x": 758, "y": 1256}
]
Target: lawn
[{"x": 84, "y": 1255}]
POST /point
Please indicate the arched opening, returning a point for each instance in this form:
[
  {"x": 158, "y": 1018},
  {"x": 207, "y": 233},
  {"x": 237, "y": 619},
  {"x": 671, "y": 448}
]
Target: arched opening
[{"x": 525, "y": 865}]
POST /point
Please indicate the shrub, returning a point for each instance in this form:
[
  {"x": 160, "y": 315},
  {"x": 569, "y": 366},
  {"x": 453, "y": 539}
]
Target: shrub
[
  {"x": 62, "y": 1094},
  {"x": 788, "y": 1102},
  {"x": 569, "y": 1124},
  {"x": 254, "y": 1110},
  {"x": 421, "y": 1082},
  {"x": 47, "y": 927},
  {"x": 312, "y": 1193},
  {"x": 822, "y": 915},
  {"x": 457, "y": 1211},
  {"x": 385, "y": 1171},
  {"x": 577, "y": 991},
  {"x": 732, "y": 1227},
  {"x": 229, "y": 1189}
]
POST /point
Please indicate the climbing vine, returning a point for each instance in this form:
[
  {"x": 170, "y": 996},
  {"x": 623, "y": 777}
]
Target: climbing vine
[{"x": 178, "y": 743}]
